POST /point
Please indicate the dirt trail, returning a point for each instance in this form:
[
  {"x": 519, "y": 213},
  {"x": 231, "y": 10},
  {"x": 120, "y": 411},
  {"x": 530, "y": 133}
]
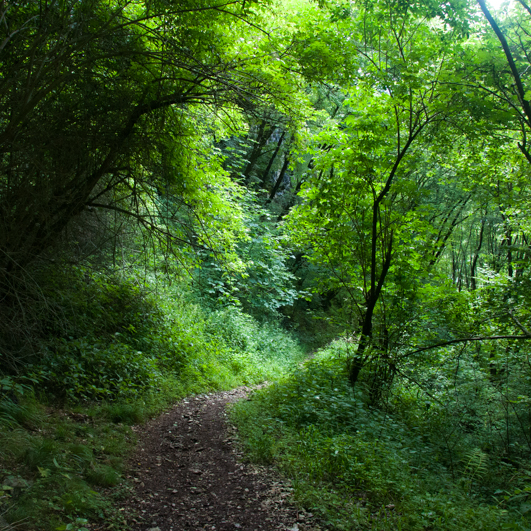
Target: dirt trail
[{"x": 188, "y": 477}]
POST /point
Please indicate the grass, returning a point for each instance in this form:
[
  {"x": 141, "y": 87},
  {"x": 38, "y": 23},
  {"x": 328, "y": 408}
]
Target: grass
[
  {"x": 69, "y": 448},
  {"x": 62, "y": 458},
  {"x": 71, "y": 460},
  {"x": 358, "y": 467}
]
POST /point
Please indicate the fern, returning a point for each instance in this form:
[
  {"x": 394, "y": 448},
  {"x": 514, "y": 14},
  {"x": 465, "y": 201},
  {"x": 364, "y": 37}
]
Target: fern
[{"x": 476, "y": 466}]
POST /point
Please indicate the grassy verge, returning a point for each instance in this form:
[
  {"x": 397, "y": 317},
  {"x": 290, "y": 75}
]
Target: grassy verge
[
  {"x": 359, "y": 467},
  {"x": 125, "y": 357},
  {"x": 61, "y": 468}
]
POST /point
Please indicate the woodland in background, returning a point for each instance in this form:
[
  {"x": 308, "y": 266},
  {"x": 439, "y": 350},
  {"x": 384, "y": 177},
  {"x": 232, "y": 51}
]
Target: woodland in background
[{"x": 194, "y": 194}]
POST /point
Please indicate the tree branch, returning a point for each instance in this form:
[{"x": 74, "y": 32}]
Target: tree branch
[
  {"x": 465, "y": 340},
  {"x": 512, "y": 65}
]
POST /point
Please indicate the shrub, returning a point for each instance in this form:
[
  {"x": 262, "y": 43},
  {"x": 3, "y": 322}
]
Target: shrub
[
  {"x": 360, "y": 467},
  {"x": 90, "y": 370}
]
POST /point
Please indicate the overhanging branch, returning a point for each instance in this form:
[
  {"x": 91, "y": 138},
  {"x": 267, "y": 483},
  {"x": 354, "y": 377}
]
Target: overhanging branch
[{"x": 466, "y": 339}]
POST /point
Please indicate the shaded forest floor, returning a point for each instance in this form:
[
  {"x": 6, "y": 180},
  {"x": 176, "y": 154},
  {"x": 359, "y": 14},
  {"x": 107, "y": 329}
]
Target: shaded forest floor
[{"x": 188, "y": 475}]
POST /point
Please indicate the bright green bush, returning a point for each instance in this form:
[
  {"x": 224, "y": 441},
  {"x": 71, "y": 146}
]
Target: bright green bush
[
  {"x": 90, "y": 370},
  {"x": 263, "y": 282},
  {"x": 242, "y": 333},
  {"x": 112, "y": 338}
]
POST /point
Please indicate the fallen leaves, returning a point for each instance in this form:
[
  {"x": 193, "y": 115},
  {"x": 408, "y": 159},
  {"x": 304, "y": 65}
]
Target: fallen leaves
[{"x": 187, "y": 476}]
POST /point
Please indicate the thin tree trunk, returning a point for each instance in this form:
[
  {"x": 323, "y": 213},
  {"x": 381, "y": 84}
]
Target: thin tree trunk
[
  {"x": 473, "y": 267},
  {"x": 273, "y": 157},
  {"x": 519, "y": 85},
  {"x": 279, "y": 179},
  {"x": 361, "y": 357},
  {"x": 261, "y": 139}
]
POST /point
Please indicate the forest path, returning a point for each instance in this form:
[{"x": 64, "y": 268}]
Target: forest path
[{"x": 187, "y": 476}]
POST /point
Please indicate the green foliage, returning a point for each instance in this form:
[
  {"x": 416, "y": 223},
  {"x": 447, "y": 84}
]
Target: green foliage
[
  {"x": 94, "y": 353},
  {"x": 371, "y": 211},
  {"x": 12, "y": 411},
  {"x": 126, "y": 412},
  {"x": 123, "y": 342},
  {"x": 52, "y": 464},
  {"x": 411, "y": 229},
  {"x": 266, "y": 342},
  {"x": 259, "y": 279},
  {"x": 113, "y": 352},
  {"x": 78, "y": 525},
  {"x": 107, "y": 106},
  {"x": 135, "y": 353},
  {"x": 357, "y": 466},
  {"x": 103, "y": 476},
  {"x": 96, "y": 371}
]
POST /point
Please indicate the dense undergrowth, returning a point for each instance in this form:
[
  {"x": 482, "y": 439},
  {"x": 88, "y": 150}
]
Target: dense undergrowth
[
  {"x": 112, "y": 354},
  {"x": 418, "y": 462},
  {"x": 446, "y": 448}
]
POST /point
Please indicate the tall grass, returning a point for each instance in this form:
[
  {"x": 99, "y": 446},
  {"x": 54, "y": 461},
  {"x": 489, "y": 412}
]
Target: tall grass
[{"x": 128, "y": 352}]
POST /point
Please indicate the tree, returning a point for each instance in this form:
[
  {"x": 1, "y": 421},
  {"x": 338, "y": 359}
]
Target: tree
[
  {"x": 364, "y": 213},
  {"x": 109, "y": 115},
  {"x": 513, "y": 88},
  {"x": 98, "y": 104}
]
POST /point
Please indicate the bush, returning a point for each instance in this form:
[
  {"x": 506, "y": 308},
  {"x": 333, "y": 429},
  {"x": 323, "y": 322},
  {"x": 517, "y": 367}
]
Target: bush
[
  {"x": 108, "y": 338},
  {"x": 357, "y": 466},
  {"x": 82, "y": 369}
]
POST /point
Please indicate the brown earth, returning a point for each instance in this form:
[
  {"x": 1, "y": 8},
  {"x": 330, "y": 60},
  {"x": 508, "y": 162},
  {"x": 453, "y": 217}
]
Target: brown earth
[{"x": 188, "y": 476}]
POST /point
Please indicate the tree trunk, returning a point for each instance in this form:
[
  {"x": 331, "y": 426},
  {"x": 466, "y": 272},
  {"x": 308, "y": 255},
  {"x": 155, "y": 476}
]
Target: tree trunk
[
  {"x": 273, "y": 157},
  {"x": 261, "y": 139},
  {"x": 473, "y": 266},
  {"x": 279, "y": 179}
]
